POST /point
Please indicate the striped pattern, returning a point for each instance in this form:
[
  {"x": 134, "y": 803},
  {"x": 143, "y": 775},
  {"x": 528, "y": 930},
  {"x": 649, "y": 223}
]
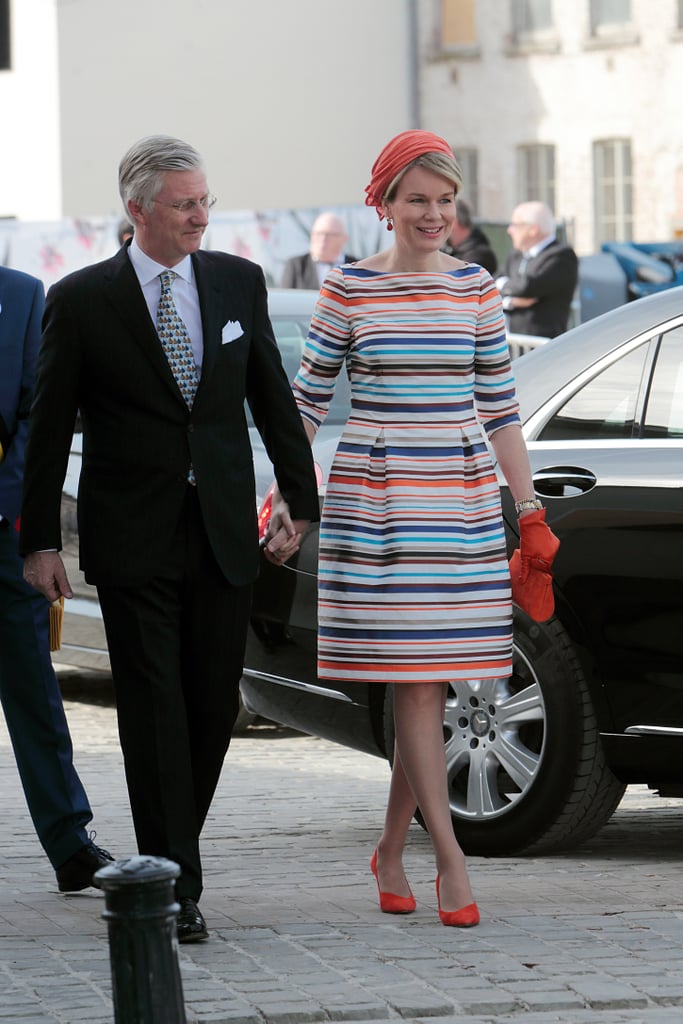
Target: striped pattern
[{"x": 414, "y": 582}]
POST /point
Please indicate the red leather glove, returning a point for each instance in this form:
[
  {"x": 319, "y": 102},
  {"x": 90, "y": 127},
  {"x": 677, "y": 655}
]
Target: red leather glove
[{"x": 532, "y": 580}]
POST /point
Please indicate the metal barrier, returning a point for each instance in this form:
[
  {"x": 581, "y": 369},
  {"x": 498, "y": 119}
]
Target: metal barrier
[
  {"x": 141, "y": 915},
  {"x": 521, "y": 343}
]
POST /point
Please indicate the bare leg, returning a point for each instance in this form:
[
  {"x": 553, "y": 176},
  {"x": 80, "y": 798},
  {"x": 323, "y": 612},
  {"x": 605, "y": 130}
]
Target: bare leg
[{"x": 419, "y": 778}]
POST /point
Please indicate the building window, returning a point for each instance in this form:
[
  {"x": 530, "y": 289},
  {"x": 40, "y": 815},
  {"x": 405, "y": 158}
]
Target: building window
[
  {"x": 536, "y": 174},
  {"x": 613, "y": 191},
  {"x": 608, "y": 14},
  {"x": 469, "y": 165},
  {"x": 458, "y": 24},
  {"x": 5, "y": 48},
  {"x": 530, "y": 17},
  {"x": 531, "y": 28}
]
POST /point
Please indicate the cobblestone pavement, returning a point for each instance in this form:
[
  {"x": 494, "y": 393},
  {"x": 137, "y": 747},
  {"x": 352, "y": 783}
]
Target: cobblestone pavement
[{"x": 296, "y": 935}]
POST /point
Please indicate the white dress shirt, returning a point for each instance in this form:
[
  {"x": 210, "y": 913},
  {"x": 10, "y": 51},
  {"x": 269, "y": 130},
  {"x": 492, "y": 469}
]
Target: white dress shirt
[{"x": 185, "y": 294}]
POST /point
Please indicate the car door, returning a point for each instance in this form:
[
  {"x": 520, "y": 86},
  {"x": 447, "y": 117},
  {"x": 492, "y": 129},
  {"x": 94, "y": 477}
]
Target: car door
[{"x": 607, "y": 460}]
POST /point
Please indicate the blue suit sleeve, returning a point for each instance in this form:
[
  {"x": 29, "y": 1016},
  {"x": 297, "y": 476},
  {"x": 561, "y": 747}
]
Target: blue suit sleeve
[{"x": 13, "y": 464}]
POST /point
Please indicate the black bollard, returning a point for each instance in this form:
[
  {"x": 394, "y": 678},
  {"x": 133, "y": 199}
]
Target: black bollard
[{"x": 143, "y": 948}]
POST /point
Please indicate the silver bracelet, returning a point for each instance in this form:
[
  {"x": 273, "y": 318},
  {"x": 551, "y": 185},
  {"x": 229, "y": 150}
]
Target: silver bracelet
[{"x": 528, "y": 503}]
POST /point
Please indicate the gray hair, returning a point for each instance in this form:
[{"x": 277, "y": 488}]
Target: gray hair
[
  {"x": 440, "y": 163},
  {"x": 539, "y": 214},
  {"x": 142, "y": 168}
]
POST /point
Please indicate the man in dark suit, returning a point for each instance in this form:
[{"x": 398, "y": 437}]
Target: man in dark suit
[
  {"x": 29, "y": 689},
  {"x": 328, "y": 239},
  {"x": 159, "y": 347},
  {"x": 539, "y": 276},
  {"x": 468, "y": 242}
]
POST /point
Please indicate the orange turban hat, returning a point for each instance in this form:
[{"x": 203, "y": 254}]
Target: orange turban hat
[{"x": 397, "y": 154}]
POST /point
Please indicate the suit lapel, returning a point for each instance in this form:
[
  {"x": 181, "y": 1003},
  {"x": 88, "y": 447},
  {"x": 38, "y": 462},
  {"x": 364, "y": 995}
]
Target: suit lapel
[
  {"x": 215, "y": 288},
  {"x": 123, "y": 291},
  {"x": 209, "y": 307},
  {"x": 311, "y": 274}
]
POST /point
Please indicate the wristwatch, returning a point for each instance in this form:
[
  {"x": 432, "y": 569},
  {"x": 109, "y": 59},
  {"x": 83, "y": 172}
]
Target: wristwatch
[{"x": 528, "y": 503}]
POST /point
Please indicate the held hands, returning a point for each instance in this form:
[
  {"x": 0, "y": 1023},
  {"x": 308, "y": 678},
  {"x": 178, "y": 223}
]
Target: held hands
[
  {"x": 45, "y": 572},
  {"x": 530, "y": 565},
  {"x": 283, "y": 536}
]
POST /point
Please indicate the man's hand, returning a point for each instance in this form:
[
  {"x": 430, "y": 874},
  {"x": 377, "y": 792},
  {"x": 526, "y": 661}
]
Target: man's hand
[
  {"x": 283, "y": 536},
  {"x": 44, "y": 571},
  {"x": 518, "y": 302}
]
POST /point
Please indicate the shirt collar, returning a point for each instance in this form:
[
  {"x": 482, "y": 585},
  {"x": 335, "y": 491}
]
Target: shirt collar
[
  {"x": 147, "y": 269},
  {"x": 539, "y": 247}
]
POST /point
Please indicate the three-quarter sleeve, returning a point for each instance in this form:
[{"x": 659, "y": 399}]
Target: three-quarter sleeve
[
  {"x": 494, "y": 383},
  {"x": 325, "y": 350}
]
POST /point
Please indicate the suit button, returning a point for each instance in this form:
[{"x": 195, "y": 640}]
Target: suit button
[{"x": 190, "y": 428}]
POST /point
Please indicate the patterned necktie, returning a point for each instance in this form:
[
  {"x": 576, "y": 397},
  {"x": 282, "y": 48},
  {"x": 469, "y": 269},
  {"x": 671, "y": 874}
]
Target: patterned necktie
[
  {"x": 177, "y": 347},
  {"x": 175, "y": 340}
]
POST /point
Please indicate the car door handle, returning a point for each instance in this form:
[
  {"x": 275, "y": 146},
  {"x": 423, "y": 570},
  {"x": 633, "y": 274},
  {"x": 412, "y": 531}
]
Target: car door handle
[{"x": 563, "y": 481}]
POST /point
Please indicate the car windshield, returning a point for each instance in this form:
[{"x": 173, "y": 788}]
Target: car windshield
[{"x": 290, "y": 334}]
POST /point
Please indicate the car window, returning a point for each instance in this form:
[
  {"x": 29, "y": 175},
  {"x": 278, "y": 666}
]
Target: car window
[
  {"x": 605, "y": 407},
  {"x": 290, "y": 334},
  {"x": 664, "y": 409}
]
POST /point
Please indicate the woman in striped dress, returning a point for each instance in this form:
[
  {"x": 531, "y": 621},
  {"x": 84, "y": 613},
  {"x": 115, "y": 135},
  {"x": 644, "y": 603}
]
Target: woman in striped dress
[{"x": 414, "y": 586}]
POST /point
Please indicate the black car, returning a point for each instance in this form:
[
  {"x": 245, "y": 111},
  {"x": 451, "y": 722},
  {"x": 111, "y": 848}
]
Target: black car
[{"x": 541, "y": 760}]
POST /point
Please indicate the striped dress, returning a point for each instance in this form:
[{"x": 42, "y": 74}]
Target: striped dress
[{"x": 413, "y": 581}]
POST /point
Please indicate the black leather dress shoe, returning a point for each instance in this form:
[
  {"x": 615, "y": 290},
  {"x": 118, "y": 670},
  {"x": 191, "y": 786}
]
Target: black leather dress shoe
[
  {"x": 190, "y": 923},
  {"x": 77, "y": 872}
]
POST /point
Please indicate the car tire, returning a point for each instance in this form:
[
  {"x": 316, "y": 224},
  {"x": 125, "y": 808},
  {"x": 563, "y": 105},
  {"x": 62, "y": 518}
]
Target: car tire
[{"x": 540, "y": 779}]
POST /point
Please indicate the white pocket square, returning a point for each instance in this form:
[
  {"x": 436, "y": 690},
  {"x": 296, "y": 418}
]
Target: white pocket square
[{"x": 231, "y": 331}]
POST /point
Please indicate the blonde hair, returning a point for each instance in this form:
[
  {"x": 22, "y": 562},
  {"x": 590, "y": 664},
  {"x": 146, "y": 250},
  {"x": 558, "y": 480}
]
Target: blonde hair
[{"x": 445, "y": 166}]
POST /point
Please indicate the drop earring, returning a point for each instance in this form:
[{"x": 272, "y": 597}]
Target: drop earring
[{"x": 390, "y": 224}]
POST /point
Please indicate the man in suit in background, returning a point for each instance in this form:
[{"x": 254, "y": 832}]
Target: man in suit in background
[
  {"x": 159, "y": 347},
  {"x": 328, "y": 239},
  {"x": 468, "y": 242},
  {"x": 124, "y": 230},
  {"x": 29, "y": 688},
  {"x": 539, "y": 276}
]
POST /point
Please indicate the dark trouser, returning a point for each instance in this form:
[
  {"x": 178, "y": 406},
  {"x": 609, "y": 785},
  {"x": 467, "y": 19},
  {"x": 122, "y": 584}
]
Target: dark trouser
[
  {"x": 33, "y": 709},
  {"x": 176, "y": 646}
]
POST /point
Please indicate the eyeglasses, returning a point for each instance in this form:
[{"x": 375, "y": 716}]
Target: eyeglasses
[{"x": 190, "y": 205}]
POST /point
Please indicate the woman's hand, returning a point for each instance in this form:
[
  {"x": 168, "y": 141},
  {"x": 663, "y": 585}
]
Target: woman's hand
[{"x": 284, "y": 534}]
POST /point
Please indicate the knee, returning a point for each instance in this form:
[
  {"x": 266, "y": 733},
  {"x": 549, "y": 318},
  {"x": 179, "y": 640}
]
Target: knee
[{"x": 415, "y": 698}]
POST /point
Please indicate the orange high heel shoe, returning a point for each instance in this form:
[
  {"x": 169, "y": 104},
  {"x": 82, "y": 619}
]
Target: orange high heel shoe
[
  {"x": 466, "y": 917},
  {"x": 389, "y": 902}
]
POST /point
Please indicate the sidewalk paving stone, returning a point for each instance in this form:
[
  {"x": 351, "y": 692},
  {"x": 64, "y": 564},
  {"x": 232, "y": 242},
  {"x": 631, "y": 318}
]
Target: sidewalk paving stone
[{"x": 296, "y": 935}]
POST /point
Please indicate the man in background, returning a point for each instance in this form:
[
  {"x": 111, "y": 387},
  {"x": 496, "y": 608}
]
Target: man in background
[
  {"x": 29, "y": 689},
  {"x": 327, "y": 245},
  {"x": 124, "y": 230},
  {"x": 468, "y": 242},
  {"x": 539, "y": 276}
]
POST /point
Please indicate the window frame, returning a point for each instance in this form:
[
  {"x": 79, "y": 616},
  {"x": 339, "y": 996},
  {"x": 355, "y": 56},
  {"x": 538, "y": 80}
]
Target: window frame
[
  {"x": 5, "y": 36},
  {"x": 542, "y": 156},
  {"x": 468, "y": 159},
  {"x": 620, "y": 192}
]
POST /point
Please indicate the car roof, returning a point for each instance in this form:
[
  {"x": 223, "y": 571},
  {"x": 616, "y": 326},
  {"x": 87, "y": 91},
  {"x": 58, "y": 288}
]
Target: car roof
[
  {"x": 543, "y": 371},
  {"x": 291, "y": 301}
]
